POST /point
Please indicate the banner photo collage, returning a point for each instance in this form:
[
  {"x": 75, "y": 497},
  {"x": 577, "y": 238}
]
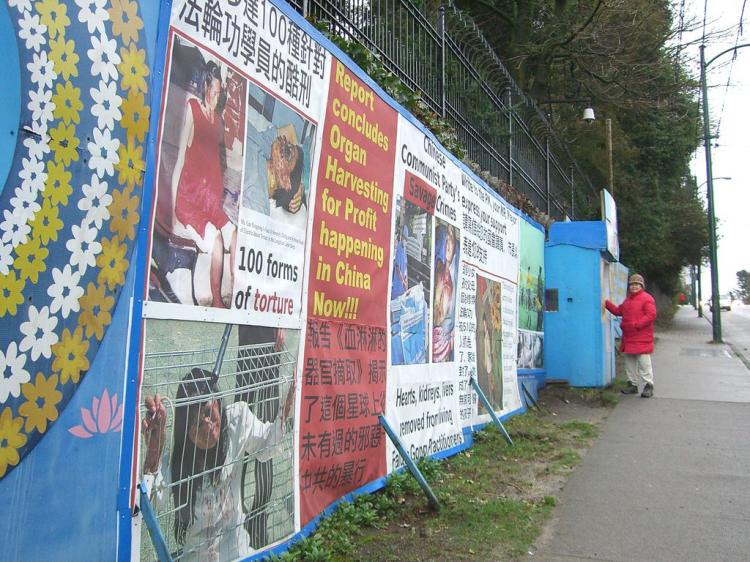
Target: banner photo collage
[
  {"x": 531, "y": 299},
  {"x": 316, "y": 261}
]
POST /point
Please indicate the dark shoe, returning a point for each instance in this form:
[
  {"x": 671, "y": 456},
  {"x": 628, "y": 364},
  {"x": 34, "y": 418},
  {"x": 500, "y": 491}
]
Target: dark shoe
[
  {"x": 630, "y": 389},
  {"x": 648, "y": 391}
]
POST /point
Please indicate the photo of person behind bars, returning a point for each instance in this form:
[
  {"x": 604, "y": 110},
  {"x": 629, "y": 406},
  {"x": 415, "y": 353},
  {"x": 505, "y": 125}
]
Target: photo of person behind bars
[{"x": 213, "y": 422}]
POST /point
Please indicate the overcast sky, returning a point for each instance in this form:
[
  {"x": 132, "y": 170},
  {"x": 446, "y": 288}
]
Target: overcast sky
[{"x": 732, "y": 155}]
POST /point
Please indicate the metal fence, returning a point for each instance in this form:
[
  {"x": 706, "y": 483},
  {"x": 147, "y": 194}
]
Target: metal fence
[
  {"x": 251, "y": 383},
  {"x": 442, "y": 55}
]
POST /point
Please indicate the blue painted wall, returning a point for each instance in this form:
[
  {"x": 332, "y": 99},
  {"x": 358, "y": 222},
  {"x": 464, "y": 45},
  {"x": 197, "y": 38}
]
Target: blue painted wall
[
  {"x": 574, "y": 335},
  {"x": 74, "y": 511},
  {"x": 10, "y": 93},
  {"x": 59, "y": 480}
]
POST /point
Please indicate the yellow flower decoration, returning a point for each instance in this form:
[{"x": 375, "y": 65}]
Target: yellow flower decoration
[
  {"x": 11, "y": 439},
  {"x": 125, "y": 20},
  {"x": 57, "y": 189},
  {"x": 46, "y": 222},
  {"x": 67, "y": 103},
  {"x": 41, "y": 402},
  {"x": 11, "y": 293},
  {"x": 133, "y": 68},
  {"x": 53, "y": 14},
  {"x": 131, "y": 166},
  {"x": 64, "y": 143},
  {"x": 112, "y": 263},
  {"x": 30, "y": 258},
  {"x": 124, "y": 213},
  {"x": 63, "y": 54},
  {"x": 70, "y": 356},
  {"x": 135, "y": 115},
  {"x": 95, "y": 311}
]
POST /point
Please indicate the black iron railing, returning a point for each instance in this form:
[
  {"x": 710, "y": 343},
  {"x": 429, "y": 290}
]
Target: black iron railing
[{"x": 442, "y": 55}]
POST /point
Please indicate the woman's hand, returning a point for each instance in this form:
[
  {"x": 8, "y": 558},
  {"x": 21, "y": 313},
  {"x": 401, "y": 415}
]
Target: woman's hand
[
  {"x": 153, "y": 428},
  {"x": 286, "y": 409},
  {"x": 280, "y": 339},
  {"x": 296, "y": 202},
  {"x": 179, "y": 229}
]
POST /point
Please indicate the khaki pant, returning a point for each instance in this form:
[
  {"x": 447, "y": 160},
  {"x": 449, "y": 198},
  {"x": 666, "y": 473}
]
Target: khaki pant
[{"x": 638, "y": 367}]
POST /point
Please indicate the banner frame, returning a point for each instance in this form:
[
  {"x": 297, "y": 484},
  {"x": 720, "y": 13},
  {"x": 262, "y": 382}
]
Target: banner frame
[{"x": 128, "y": 448}]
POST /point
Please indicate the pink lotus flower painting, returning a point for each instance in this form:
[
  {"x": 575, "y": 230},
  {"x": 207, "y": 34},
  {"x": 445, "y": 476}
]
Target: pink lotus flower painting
[{"x": 105, "y": 416}]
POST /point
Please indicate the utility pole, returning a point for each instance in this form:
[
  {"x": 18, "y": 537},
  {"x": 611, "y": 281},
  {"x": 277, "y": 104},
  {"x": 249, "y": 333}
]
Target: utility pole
[
  {"x": 712, "y": 254},
  {"x": 715, "y": 312}
]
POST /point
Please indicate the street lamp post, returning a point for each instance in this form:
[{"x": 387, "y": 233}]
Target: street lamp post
[
  {"x": 699, "y": 302},
  {"x": 715, "y": 312}
]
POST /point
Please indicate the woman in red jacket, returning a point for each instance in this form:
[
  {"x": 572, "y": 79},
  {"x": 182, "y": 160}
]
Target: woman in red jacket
[{"x": 638, "y": 312}]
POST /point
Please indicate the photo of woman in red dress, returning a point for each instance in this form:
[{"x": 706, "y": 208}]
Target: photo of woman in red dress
[
  {"x": 200, "y": 162},
  {"x": 199, "y": 197}
]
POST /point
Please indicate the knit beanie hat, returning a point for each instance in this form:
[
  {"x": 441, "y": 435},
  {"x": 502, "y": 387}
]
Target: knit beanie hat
[{"x": 635, "y": 278}]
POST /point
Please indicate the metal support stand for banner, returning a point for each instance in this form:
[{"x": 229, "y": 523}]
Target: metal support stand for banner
[
  {"x": 431, "y": 497},
  {"x": 488, "y": 407},
  {"x": 154, "y": 530},
  {"x": 220, "y": 355},
  {"x": 530, "y": 398}
]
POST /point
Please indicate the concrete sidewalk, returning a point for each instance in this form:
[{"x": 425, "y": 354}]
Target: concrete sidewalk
[{"x": 669, "y": 477}]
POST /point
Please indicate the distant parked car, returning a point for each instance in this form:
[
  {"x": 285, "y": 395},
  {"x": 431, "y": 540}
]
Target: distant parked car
[{"x": 725, "y": 302}]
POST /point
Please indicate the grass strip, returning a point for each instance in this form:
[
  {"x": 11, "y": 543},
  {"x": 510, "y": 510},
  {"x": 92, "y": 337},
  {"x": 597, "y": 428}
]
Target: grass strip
[{"x": 495, "y": 499}]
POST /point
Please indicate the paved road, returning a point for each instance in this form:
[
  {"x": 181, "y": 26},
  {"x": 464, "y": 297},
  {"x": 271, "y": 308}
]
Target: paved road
[
  {"x": 735, "y": 327},
  {"x": 669, "y": 479}
]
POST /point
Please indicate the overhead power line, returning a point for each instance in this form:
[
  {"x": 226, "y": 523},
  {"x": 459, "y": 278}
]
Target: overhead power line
[
  {"x": 731, "y": 66},
  {"x": 705, "y": 13}
]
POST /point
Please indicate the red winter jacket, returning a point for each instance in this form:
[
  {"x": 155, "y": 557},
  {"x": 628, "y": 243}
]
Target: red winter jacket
[{"x": 638, "y": 314}]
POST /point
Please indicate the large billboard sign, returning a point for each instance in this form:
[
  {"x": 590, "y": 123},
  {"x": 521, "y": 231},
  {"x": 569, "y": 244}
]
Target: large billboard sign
[
  {"x": 227, "y": 254},
  {"x": 317, "y": 260}
]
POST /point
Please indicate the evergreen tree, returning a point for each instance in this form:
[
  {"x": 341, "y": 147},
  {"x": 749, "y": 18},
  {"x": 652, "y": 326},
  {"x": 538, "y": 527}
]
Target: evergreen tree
[{"x": 743, "y": 284}]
